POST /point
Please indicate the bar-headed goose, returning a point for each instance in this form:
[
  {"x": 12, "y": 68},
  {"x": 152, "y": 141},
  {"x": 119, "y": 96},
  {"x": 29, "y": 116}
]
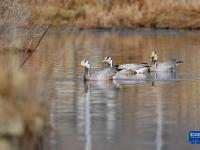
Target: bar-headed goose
[
  {"x": 169, "y": 65},
  {"x": 106, "y": 74},
  {"x": 127, "y": 68}
]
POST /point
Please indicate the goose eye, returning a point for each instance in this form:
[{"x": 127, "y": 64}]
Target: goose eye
[{"x": 84, "y": 62}]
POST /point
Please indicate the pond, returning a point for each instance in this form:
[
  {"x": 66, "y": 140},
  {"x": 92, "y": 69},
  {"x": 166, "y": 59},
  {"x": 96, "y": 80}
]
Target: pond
[{"x": 154, "y": 112}]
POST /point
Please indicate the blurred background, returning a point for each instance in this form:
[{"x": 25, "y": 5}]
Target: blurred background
[{"x": 44, "y": 103}]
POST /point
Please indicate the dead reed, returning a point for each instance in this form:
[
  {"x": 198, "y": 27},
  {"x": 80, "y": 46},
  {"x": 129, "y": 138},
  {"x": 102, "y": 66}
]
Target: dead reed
[{"x": 125, "y": 13}]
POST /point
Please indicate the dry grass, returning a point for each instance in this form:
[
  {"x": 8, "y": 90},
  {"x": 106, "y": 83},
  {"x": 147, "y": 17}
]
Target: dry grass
[
  {"x": 24, "y": 106},
  {"x": 126, "y": 13},
  {"x": 12, "y": 12}
]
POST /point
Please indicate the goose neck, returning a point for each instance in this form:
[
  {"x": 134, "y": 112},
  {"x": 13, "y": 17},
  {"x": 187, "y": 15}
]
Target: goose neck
[
  {"x": 111, "y": 64},
  {"x": 155, "y": 63},
  {"x": 87, "y": 71}
]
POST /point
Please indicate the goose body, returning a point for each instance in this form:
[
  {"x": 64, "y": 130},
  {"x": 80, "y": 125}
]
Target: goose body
[
  {"x": 106, "y": 74},
  {"x": 138, "y": 68},
  {"x": 169, "y": 65},
  {"x": 166, "y": 66},
  {"x": 127, "y": 68}
]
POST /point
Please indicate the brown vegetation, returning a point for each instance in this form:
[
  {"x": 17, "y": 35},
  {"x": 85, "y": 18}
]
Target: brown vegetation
[
  {"x": 24, "y": 106},
  {"x": 102, "y": 13},
  {"x": 124, "y": 13},
  {"x": 23, "y": 96}
]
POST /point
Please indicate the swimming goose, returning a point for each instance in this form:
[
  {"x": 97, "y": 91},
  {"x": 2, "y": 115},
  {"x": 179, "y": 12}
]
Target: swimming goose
[
  {"x": 106, "y": 74},
  {"x": 127, "y": 68},
  {"x": 169, "y": 65}
]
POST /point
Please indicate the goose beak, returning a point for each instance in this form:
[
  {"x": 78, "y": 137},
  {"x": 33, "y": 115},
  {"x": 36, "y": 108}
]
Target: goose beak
[
  {"x": 151, "y": 56},
  {"x": 103, "y": 61}
]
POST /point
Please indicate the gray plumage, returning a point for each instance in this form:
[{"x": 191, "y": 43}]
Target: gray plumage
[
  {"x": 138, "y": 68},
  {"x": 106, "y": 74},
  {"x": 126, "y": 68},
  {"x": 169, "y": 65}
]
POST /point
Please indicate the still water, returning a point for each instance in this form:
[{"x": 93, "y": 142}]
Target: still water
[{"x": 153, "y": 112}]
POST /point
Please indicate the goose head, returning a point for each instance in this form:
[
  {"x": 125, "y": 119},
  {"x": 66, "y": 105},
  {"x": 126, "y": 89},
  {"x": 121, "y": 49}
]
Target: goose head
[
  {"x": 85, "y": 64},
  {"x": 153, "y": 54},
  {"x": 107, "y": 60},
  {"x": 154, "y": 57}
]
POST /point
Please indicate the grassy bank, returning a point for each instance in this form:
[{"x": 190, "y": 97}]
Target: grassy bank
[{"x": 122, "y": 13}]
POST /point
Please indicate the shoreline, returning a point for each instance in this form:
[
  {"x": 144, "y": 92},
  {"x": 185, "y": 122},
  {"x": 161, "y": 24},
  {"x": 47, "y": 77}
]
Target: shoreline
[{"x": 150, "y": 31}]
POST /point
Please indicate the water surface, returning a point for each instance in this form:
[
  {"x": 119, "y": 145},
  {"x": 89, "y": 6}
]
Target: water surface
[{"x": 153, "y": 112}]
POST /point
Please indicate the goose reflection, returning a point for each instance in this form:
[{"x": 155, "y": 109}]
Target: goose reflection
[
  {"x": 103, "y": 86},
  {"x": 161, "y": 76},
  {"x": 159, "y": 120},
  {"x": 130, "y": 79},
  {"x": 101, "y": 101},
  {"x": 88, "y": 136},
  {"x": 167, "y": 76}
]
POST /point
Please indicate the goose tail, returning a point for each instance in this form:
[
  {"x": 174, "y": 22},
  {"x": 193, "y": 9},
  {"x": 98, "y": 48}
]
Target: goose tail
[
  {"x": 177, "y": 61},
  {"x": 180, "y": 62},
  {"x": 117, "y": 67},
  {"x": 145, "y": 64}
]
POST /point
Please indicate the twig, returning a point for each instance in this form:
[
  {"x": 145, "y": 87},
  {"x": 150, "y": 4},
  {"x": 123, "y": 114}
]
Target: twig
[{"x": 42, "y": 36}]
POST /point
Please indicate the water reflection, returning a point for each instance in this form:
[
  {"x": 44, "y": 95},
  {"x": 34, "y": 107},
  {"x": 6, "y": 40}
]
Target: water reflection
[
  {"x": 159, "y": 120},
  {"x": 161, "y": 76},
  {"x": 106, "y": 86},
  {"x": 159, "y": 140},
  {"x": 93, "y": 99},
  {"x": 90, "y": 86},
  {"x": 88, "y": 137},
  {"x": 128, "y": 79},
  {"x": 128, "y": 113}
]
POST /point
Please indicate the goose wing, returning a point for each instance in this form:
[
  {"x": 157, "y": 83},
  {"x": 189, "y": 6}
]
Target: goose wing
[
  {"x": 131, "y": 66},
  {"x": 137, "y": 68},
  {"x": 168, "y": 64}
]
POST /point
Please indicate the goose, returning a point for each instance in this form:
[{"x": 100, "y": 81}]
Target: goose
[
  {"x": 169, "y": 65},
  {"x": 106, "y": 74},
  {"x": 127, "y": 68}
]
